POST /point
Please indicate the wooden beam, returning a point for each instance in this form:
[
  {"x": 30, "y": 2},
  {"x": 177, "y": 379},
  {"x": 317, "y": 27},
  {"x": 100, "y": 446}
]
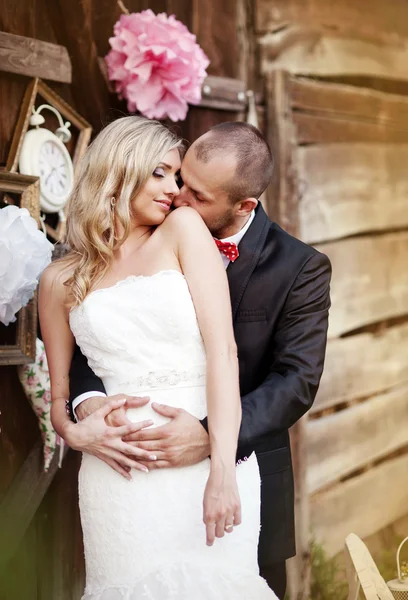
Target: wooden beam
[
  {"x": 281, "y": 204},
  {"x": 22, "y": 125},
  {"x": 281, "y": 196},
  {"x": 351, "y": 188},
  {"x": 345, "y": 441},
  {"x": 22, "y": 500},
  {"x": 364, "y": 504},
  {"x": 369, "y": 280},
  {"x": 299, "y": 568},
  {"x": 306, "y": 51},
  {"x": 34, "y": 58},
  {"x": 382, "y": 365}
]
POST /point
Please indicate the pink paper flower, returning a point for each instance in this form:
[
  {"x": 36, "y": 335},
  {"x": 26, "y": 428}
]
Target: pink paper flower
[{"x": 156, "y": 64}]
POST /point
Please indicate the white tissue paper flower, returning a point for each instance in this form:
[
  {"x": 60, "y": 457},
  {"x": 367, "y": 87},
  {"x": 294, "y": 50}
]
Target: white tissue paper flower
[{"x": 24, "y": 254}]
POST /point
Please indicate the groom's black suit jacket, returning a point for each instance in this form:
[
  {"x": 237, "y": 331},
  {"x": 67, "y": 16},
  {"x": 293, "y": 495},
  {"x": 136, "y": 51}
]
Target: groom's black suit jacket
[{"x": 280, "y": 300}]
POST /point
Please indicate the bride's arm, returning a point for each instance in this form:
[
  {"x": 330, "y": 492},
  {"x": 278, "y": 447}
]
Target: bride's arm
[
  {"x": 205, "y": 274},
  {"x": 92, "y": 435},
  {"x": 59, "y": 344}
]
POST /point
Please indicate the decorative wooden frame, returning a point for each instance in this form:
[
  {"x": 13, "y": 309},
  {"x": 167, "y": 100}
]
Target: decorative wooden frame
[
  {"x": 39, "y": 88},
  {"x": 22, "y": 351}
]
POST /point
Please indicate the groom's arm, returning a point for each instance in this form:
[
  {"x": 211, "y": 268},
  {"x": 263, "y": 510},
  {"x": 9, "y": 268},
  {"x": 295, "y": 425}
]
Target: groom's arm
[
  {"x": 83, "y": 383},
  {"x": 297, "y": 358}
]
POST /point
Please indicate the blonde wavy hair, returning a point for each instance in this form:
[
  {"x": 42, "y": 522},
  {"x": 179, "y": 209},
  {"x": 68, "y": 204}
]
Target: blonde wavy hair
[{"x": 116, "y": 165}]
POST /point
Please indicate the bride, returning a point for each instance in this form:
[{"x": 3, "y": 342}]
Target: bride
[{"x": 145, "y": 295}]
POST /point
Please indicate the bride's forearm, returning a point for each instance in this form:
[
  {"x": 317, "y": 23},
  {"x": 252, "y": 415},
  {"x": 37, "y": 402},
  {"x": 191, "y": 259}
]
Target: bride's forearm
[
  {"x": 224, "y": 407},
  {"x": 60, "y": 420}
]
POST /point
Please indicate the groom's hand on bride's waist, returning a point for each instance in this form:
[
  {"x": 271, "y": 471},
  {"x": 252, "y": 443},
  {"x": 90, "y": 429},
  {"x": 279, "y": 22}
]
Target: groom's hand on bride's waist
[
  {"x": 181, "y": 442},
  {"x": 117, "y": 417}
]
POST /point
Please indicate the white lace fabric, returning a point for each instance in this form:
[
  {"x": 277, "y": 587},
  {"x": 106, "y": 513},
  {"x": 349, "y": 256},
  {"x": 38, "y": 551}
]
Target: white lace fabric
[{"x": 145, "y": 539}]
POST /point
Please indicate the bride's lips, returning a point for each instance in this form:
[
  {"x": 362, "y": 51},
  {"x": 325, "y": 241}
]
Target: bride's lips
[{"x": 166, "y": 204}]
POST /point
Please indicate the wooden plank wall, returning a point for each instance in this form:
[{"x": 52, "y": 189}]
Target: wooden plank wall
[
  {"x": 48, "y": 564},
  {"x": 351, "y": 203},
  {"x": 337, "y": 116}
]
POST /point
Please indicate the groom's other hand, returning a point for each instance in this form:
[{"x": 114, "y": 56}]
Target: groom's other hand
[
  {"x": 88, "y": 407},
  {"x": 117, "y": 417},
  {"x": 180, "y": 443}
]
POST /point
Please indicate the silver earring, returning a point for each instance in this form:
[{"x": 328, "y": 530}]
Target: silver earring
[{"x": 113, "y": 202}]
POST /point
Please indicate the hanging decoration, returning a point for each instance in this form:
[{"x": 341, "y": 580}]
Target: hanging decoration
[
  {"x": 35, "y": 380},
  {"x": 25, "y": 252},
  {"x": 156, "y": 65}
]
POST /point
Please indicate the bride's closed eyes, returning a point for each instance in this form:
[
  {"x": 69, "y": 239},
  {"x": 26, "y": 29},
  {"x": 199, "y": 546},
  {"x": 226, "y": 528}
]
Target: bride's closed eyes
[{"x": 160, "y": 173}]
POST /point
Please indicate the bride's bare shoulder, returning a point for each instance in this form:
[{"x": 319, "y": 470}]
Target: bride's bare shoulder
[
  {"x": 181, "y": 219},
  {"x": 55, "y": 276}
]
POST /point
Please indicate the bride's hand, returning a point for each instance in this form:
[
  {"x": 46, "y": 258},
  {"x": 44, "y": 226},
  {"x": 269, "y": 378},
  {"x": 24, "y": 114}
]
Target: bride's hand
[
  {"x": 222, "y": 505},
  {"x": 94, "y": 436}
]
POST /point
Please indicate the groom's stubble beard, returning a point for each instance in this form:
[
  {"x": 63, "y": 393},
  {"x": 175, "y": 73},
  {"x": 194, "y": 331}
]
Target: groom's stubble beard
[{"x": 221, "y": 226}]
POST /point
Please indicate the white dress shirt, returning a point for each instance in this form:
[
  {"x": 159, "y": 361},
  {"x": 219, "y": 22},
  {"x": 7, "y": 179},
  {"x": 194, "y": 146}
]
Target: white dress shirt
[{"x": 235, "y": 239}]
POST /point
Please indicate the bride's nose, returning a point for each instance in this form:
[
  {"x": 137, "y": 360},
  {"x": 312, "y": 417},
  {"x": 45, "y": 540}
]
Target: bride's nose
[{"x": 172, "y": 188}]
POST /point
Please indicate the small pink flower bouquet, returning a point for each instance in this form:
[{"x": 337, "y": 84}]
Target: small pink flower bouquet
[{"x": 156, "y": 65}]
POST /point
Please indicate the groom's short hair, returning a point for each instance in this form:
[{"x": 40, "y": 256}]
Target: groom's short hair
[{"x": 254, "y": 166}]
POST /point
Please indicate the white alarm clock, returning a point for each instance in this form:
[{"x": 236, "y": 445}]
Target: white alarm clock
[{"x": 44, "y": 154}]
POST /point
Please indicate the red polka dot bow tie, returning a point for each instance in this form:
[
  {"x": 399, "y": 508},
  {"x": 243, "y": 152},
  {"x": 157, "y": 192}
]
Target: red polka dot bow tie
[{"x": 228, "y": 248}]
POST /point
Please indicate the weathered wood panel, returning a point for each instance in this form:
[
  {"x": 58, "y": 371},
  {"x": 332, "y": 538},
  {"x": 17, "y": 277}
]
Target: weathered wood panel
[
  {"x": 304, "y": 51},
  {"x": 355, "y": 103},
  {"x": 28, "y": 56},
  {"x": 21, "y": 580},
  {"x": 382, "y": 20},
  {"x": 351, "y": 188},
  {"x": 60, "y": 564},
  {"x": 364, "y": 504},
  {"x": 217, "y": 35},
  {"x": 89, "y": 88},
  {"x": 341, "y": 443},
  {"x": 370, "y": 280},
  {"x": 362, "y": 365}
]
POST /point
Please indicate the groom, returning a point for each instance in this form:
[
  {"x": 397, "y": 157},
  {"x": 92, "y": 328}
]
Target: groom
[{"x": 280, "y": 300}]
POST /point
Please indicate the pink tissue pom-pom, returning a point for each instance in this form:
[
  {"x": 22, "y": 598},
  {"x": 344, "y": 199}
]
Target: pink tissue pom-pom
[{"x": 156, "y": 64}]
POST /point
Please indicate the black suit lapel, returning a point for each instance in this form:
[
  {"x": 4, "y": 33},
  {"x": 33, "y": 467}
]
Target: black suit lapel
[{"x": 250, "y": 248}]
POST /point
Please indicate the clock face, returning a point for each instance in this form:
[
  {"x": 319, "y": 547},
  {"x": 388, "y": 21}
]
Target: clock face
[
  {"x": 43, "y": 154},
  {"x": 54, "y": 175}
]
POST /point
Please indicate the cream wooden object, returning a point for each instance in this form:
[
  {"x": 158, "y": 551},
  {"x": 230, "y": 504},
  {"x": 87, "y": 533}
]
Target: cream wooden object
[
  {"x": 367, "y": 574},
  {"x": 399, "y": 586}
]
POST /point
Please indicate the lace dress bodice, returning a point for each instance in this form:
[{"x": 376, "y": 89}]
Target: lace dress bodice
[{"x": 141, "y": 332}]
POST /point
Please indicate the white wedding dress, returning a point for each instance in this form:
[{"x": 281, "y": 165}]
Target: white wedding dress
[{"x": 145, "y": 539}]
